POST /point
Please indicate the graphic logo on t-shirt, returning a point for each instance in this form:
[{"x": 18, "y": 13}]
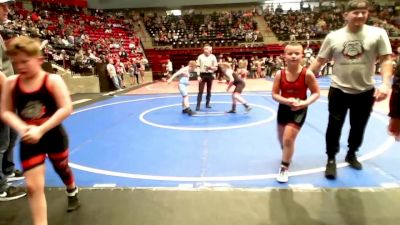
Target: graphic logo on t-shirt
[
  {"x": 33, "y": 110},
  {"x": 353, "y": 49}
]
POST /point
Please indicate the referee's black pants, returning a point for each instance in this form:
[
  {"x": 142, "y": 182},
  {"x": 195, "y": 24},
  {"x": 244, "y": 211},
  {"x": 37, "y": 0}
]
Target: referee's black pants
[{"x": 206, "y": 78}]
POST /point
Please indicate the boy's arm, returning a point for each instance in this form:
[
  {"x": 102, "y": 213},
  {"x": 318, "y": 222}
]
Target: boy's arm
[
  {"x": 8, "y": 114},
  {"x": 312, "y": 84},
  {"x": 228, "y": 73},
  {"x": 175, "y": 75},
  {"x": 61, "y": 95}
]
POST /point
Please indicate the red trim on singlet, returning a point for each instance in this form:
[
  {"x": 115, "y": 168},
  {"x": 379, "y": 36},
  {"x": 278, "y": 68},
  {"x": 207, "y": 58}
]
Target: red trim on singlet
[
  {"x": 37, "y": 122},
  {"x": 294, "y": 89},
  {"x": 44, "y": 82},
  {"x": 34, "y": 161},
  {"x": 59, "y": 155}
]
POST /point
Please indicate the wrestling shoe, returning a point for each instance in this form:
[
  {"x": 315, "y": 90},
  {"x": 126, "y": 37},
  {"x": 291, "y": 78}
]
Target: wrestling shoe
[
  {"x": 283, "y": 175},
  {"x": 73, "y": 200}
]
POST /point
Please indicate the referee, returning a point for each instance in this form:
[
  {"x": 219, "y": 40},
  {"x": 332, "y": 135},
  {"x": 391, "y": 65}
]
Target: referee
[{"x": 208, "y": 64}]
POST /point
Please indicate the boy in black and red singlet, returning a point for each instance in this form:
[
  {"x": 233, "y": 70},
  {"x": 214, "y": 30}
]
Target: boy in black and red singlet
[
  {"x": 35, "y": 103},
  {"x": 290, "y": 90},
  {"x": 235, "y": 80}
]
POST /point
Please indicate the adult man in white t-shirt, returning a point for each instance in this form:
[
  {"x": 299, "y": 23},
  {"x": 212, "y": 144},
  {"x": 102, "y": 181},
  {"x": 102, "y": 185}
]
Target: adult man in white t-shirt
[
  {"x": 354, "y": 49},
  {"x": 112, "y": 73},
  {"x": 208, "y": 64}
]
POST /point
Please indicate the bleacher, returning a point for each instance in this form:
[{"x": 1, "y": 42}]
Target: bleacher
[{"x": 191, "y": 31}]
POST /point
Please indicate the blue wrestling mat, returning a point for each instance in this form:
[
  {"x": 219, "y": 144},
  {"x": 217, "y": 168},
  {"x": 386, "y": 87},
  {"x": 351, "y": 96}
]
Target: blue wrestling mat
[{"x": 145, "y": 141}]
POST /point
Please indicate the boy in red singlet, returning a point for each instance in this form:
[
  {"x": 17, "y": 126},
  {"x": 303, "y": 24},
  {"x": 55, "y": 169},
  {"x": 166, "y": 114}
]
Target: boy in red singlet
[
  {"x": 35, "y": 103},
  {"x": 290, "y": 90}
]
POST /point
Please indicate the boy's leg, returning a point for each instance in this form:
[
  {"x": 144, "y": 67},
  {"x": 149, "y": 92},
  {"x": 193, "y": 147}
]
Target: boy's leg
[
  {"x": 60, "y": 164},
  {"x": 37, "y": 200},
  {"x": 289, "y": 135}
]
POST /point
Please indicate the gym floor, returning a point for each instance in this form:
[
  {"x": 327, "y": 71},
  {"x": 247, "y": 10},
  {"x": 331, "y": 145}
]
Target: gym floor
[{"x": 139, "y": 160}]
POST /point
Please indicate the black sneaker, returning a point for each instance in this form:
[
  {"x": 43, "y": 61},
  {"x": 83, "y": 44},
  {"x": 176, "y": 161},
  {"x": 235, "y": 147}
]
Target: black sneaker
[
  {"x": 208, "y": 106},
  {"x": 15, "y": 175},
  {"x": 330, "y": 172},
  {"x": 231, "y": 111},
  {"x": 248, "y": 108},
  {"x": 12, "y": 193},
  {"x": 73, "y": 201},
  {"x": 198, "y": 108},
  {"x": 351, "y": 159},
  {"x": 190, "y": 112}
]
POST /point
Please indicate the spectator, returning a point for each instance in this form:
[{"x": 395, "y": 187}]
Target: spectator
[
  {"x": 8, "y": 136},
  {"x": 112, "y": 73}
]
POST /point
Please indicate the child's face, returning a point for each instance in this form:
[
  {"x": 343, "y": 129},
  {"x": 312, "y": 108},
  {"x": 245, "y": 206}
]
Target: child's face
[
  {"x": 293, "y": 55},
  {"x": 27, "y": 65},
  {"x": 191, "y": 68}
]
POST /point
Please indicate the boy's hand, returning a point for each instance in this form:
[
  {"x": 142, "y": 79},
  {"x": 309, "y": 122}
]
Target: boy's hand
[
  {"x": 299, "y": 104},
  {"x": 32, "y": 135},
  {"x": 291, "y": 101}
]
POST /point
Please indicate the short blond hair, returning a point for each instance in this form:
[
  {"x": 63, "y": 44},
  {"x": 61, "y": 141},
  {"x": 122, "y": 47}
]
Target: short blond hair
[
  {"x": 293, "y": 44},
  {"x": 24, "y": 44},
  {"x": 192, "y": 63},
  {"x": 225, "y": 65}
]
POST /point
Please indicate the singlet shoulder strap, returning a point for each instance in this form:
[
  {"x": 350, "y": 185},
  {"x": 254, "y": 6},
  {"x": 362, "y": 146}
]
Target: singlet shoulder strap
[
  {"x": 303, "y": 74},
  {"x": 45, "y": 81},
  {"x": 283, "y": 75}
]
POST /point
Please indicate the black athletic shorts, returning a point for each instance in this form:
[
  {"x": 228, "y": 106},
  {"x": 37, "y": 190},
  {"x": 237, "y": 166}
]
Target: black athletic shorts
[
  {"x": 239, "y": 87},
  {"x": 287, "y": 116},
  {"x": 53, "y": 142}
]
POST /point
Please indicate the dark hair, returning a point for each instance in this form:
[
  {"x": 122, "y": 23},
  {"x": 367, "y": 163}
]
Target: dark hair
[{"x": 357, "y": 5}]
